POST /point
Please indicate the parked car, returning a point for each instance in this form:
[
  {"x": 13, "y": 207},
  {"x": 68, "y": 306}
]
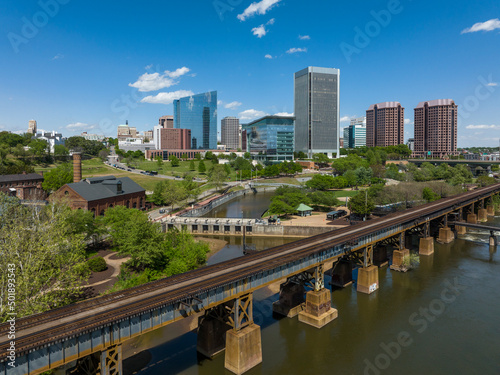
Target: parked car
[{"x": 162, "y": 211}]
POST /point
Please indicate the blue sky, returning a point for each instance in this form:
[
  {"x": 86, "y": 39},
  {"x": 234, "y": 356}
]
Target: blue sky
[{"x": 76, "y": 65}]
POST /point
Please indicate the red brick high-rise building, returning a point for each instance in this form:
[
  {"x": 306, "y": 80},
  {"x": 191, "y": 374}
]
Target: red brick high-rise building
[
  {"x": 385, "y": 124},
  {"x": 436, "y": 128}
]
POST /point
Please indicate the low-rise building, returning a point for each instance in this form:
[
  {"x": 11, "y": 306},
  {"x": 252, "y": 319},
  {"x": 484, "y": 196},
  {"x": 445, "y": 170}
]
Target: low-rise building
[
  {"x": 26, "y": 186},
  {"x": 97, "y": 194}
]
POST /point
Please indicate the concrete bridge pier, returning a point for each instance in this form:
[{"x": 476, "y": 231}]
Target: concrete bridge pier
[
  {"x": 446, "y": 235},
  {"x": 482, "y": 215},
  {"x": 368, "y": 275},
  {"x": 491, "y": 210},
  {"x": 460, "y": 230},
  {"x": 243, "y": 342},
  {"x": 318, "y": 311},
  {"x": 493, "y": 239},
  {"x": 291, "y": 300},
  {"x": 426, "y": 246},
  {"x": 398, "y": 260}
]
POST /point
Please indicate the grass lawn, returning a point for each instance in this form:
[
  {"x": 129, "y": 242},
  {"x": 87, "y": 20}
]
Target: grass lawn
[{"x": 346, "y": 193}]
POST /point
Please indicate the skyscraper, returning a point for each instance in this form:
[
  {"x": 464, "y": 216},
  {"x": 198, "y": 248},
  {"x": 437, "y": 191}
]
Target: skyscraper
[
  {"x": 357, "y": 133},
  {"x": 385, "y": 124},
  {"x": 436, "y": 128},
  {"x": 317, "y": 98},
  {"x": 199, "y": 114},
  {"x": 230, "y": 133}
]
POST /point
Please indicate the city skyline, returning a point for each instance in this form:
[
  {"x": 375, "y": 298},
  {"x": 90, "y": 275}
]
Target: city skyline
[{"x": 72, "y": 78}]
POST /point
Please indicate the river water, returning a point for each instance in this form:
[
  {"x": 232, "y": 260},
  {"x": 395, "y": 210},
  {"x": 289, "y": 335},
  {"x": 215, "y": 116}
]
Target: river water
[
  {"x": 250, "y": 206},
  {"x": 439, "y": 318}
]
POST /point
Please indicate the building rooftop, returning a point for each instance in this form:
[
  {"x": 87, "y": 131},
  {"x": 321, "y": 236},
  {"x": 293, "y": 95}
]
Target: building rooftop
[
  {"x": 435, "y": 103},
  {"x": 96, "y": 188},
  {"x": 20, "y": 177},
  {"x": 385, "y": 105},
  {"x": 286, "y": 118}
]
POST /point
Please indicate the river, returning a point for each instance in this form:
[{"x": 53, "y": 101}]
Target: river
[
  {"x": 250, "y": 206},
  {"x": 439, "y": 318}
]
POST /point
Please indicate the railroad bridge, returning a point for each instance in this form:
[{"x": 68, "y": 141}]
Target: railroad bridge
[{"x": 90, "y": 334}]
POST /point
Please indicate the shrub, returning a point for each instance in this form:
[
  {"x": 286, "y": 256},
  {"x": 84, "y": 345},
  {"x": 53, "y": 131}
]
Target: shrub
[{"x": 97, "y": 264}]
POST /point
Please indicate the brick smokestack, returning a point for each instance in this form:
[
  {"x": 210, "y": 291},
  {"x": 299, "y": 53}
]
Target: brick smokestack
[{"x": 77, "y": 166}]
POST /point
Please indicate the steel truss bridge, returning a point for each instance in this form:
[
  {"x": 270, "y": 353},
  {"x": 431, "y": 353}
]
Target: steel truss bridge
[{"x": 91, "y": 332}]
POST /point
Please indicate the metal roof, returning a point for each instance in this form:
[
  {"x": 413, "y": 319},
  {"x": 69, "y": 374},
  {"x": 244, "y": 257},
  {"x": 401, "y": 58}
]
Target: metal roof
[
  {"x": 20, "y": 177},
  {"x": 93, "y": 189}
]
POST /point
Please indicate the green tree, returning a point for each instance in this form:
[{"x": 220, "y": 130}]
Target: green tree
[
  {"x": 174, "y": 160},
  {"x": 201, "y": 167},
  {"x": 159, "y": 162},
  {"x": 39, "y": 147},
  {"x": 103, "y": 155},
  {"x": 350, "y": 177},
  {"x": 324, "y": 198},
  {"x": 286, "y": 199},
  {"x": 158, "y": 196},
  {"x": 321, "y": 182},
  {"x": 192, "y": 166},
  {"x": 247, "y": 155},
  {"x": 361, "y": 203},
  {"x": 429, "y": 195},
  {"x": 60, "y": 152},
  {"x": 48, "y": 258},
  {"x": 363, "y": 175},
  {"x": 339, "y": 183},
  {"x": 217, "y": 175},
  {"x": 321, "y": 159},
  {"x": 57, "y": 177}
]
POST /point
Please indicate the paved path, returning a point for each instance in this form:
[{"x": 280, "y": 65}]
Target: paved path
[{"x": 115, "y": 264}]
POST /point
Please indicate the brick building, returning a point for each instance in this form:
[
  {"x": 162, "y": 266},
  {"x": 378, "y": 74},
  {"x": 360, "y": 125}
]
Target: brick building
[
  {"x": 436, "y": 128},
  {"x": 97, "y": 194},
  {"x": 165, "y": 154},
  {"x": 385, "y": 124},
  {"x": 27, "y": 186}
]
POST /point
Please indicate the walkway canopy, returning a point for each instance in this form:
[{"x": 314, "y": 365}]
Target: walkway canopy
[{"x": 304, "y": 210}]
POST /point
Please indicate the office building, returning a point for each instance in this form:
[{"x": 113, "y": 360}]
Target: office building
[
  {"x": 317, "y": 121},
  {"x": 199, "y": 114},
  {"x": 356, "y": 133},
  {"x": 166, "y": 122},
  {"x": 411, "y": 144},
  {"x": 32, "y": 127},
  {"x": 231, "y": 133},
  {"x": 345, "y": 139},
  {"x": 271, "y": 138},
  {"x": 93, "y": 137},
  {"x": 436, "y": 128},
  {"x": 385, "y": 124},
  {"x": 125, "y": 131}
]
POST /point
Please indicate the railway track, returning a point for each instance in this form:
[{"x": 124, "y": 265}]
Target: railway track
[{"x": 86, "y": 315}]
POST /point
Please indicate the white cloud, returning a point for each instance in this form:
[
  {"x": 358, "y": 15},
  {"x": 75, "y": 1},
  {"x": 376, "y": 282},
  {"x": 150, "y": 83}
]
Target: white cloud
[
  {"x": 156, "y": 81},
  {"x": 268, "y": 56},
  {"x": 496, "y": 127},
  {"x": 296, "y": 50},
  {"x": 220, "y": 102},
  {"x": 271, "y": 21},
  {"x": 304, "y": 37},
  {"x": 251, "y": 114},
  {"x": 408, "y": 121},
  {"x": 79, "y": 126},
  {"x": 58, "y": 56},
  {"x": 260, "y": 31},
  {"x": 285, "y": 114},
  {"x": 147, "y": 67},
  {"x": 345, "y": 119},
  {"x": 490, "y": 25},
  {"x": 492, "y": 84},
  {"x": 178, "y": 72},
  {"x": 166, "y": 97},
  {"x": 233, "y": 105},
  {"x": 257, "y": 8}
]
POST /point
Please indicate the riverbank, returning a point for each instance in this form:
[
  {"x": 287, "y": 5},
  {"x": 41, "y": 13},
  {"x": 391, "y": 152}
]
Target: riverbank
[{"x": 215, "y": 244}]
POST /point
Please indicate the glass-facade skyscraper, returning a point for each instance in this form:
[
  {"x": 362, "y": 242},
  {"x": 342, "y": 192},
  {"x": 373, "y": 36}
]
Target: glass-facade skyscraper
[
  {"x": 271, "y": 137},
  {"x": 317, "y": 120},
  {"x": 199, "y": 114}
]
